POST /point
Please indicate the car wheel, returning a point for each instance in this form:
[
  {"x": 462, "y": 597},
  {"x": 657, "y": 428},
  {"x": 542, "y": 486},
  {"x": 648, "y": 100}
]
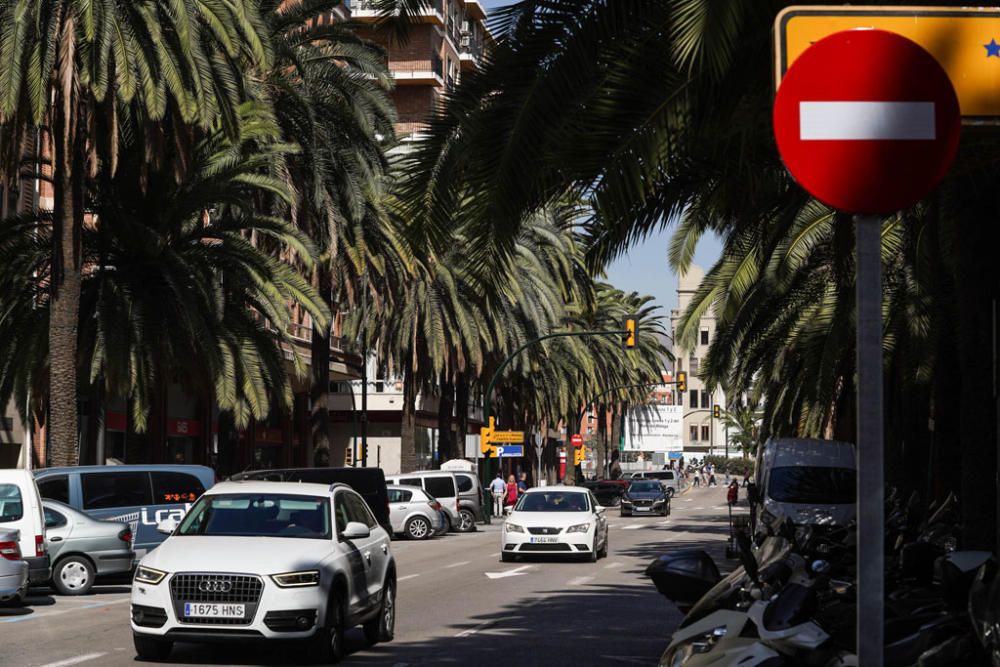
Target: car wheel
[
  {"x": 73, "y": 576},
  {"x": 448, "y": 527},
  {"x": 592, "y": 556},
  {"x": 418, "y": 528},
  {"x": 670, "y": 492},
  {"x": 151, "y": 648},
  {"x": 468, "y": 521},
  {"x": 506, "y": 557},
  {"x": 603, "y": 553},
  {"x": 382, "y": 628},
  {"x": 327, "y": 645}
]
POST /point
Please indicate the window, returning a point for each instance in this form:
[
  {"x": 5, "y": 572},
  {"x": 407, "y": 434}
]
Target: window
[
  {"x": 266, "y": 515},
  {"x": 358, "y": 511},
  {"x": 704, "y": 336},
  {"x": 53, "y": 519},
  {"x": 11, "y": 504},
  {"x": 176, "y": 487},
  {"x": 55, "y": 488},
  {"x": 705, "y": 435},
  {"x": 379, "y": 386},
  {"x": 440, "y": 487},
  {"x": 340, "y": 512},
  {"x": 694, "y": 398},
  {"x": 115, "y": 489},
  {"x": 693, "y": 365},
  {"x": 464, "y": 483},
  {"x": 411, "y": 481},
  {"x": 693, "y": 433},
  {"x": 399, "y": 496},
  {"x": 705, "y": 398}
]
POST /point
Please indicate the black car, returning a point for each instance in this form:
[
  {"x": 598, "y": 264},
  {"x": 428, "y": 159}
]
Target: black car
[
  {"x": 645, "y": 497},
  {"x": 608, "y": 492},
  {"x": 368, "y": 482}
]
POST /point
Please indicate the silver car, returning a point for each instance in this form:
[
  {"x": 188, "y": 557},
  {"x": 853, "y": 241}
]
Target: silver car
[
  {"x": 13, "y": 568},
  {"x": 413, "y": 513},
  {"x": 82, "y": 547}
]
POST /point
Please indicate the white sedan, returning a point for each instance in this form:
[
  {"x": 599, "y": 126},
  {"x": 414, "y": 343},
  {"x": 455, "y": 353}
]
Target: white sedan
[{"x": 555, "y": 520}]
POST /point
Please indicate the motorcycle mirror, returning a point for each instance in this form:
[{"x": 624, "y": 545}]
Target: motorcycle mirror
[{"x": 820, "y": 566}]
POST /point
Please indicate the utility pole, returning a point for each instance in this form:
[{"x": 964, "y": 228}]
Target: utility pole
[{"x": 364, "y": 369}]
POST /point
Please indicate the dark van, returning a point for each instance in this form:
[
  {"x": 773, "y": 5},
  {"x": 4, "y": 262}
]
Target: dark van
[
  {"x": 139, "y": 495},
  {"x": 368, "y": 482}
]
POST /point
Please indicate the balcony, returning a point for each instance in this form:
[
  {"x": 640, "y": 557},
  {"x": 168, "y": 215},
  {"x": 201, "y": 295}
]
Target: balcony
[
  {"x": 470, "y": 50},
  {"x": 474, "y": 10},
  {"x": 364, "y": 11},
  {"x": 422, "y": 73}
]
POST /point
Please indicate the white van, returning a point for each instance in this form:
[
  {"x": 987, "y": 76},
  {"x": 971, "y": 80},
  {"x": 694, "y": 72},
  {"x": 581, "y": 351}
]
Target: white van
[
  {"x": 21, "y": 510},
  {"x": 807, "y": 480},
  {"x": 667, "y": 479}
]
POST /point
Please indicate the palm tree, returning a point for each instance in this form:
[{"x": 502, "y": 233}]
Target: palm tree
[
  {"x": 174, "y": 287},
  {"x": 72, "y": 65}
]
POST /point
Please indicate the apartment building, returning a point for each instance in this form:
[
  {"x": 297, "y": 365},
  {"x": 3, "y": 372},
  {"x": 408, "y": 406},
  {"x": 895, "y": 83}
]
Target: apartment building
[
  {"x": 449, "y": 38},
  {"x": 701, "y": 433}
]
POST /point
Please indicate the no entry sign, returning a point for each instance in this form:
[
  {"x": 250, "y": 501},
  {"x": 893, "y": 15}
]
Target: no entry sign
[{"x": 866, "y": 121}]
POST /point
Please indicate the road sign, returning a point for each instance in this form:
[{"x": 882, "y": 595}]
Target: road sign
[
  {"x": 506, "y": 436},
  {"x": 510, "y": 451},
  {"x": 866, "y": 121},
  {"x": 962, "y": 39},
  {"x": 576, "y": 440}
]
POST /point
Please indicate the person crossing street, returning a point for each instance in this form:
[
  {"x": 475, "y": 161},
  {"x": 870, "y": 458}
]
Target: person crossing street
[{"x": 498, "y": 489}]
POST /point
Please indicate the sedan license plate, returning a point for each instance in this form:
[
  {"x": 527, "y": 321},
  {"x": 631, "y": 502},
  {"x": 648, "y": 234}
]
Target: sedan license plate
[
  {"x": 544, "y": 540},
  {"x": 216, "y": 610},
  {"x": 641, "y": 509}
]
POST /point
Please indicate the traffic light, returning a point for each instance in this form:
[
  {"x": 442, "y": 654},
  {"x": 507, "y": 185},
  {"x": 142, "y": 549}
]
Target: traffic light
[
  {"x": 716, "y": 411},
  {"x": 362, "y": 454},
  {"x": 349, "y": 456},
  {"x": 631, "y": 326},
  {"x": 682, "y": 381},
  {"x": 485, "y": 435},
  {"x": 579, "y": 453}
]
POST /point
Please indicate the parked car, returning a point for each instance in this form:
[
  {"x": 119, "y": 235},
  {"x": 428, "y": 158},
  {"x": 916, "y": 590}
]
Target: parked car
[
  {"x": 668, "y": 478},
  {"x": 267, "y": 561},
  {"x": 555, "y": 521},
  {"x": 608, "y": 492},
  {"x": 139, "y": 495},
  {"x": 414, "y": 513},
  {"x": 443, "y": 486},
  {"x": 645, "y": 496},
  {"x": 21, "y": 510},
  {"x": 470, "y": 498},
  {"x": 13, "y": 568},
  {"x": 810, "y": 482},
  {"x": 369, "y": 482},
  {"x": 83, "y": 548}
]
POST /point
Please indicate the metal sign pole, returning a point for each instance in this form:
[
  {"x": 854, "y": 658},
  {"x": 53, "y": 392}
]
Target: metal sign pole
[{"x": 870, "y": 489}]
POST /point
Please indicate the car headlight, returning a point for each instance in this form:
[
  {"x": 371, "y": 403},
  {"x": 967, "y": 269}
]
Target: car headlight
[
  {"x": 681, "y": 653},
  {"x": 660, "y": 501},
  {"x": 148, "y": 575},
  {"x": 513, "y": 528},
  {"x": 626, "y": 501},
  {"x": 297, "y": 579},
  {"x": 579, "y": 528}
]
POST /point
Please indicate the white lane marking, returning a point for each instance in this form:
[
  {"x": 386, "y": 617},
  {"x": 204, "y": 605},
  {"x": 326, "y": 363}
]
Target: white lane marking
[
  {"x": 611, "y": 566},
  {"x": 458, "y": 564},
  {"x": 31, "y": 617},
  {"x": 663, "y": 523},
  {"x": 635, "y": 526},
  {"x": 409, "y": 576},
  {"x": 474, "y": 630},
  {"x": 496, "y": 555},
  {"x": 861, "y": 121},
  {"x": 687, "y": 500},
  {"x": 579, "y": 581},
  {"x": 75, "y": 661},
  {"x": 508, "y": 573},
  {"x": 698, "y": 508}
]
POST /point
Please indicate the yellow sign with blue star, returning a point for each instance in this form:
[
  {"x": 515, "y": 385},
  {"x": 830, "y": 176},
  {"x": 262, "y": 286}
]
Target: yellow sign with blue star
[{"x": 965, "y": 40}]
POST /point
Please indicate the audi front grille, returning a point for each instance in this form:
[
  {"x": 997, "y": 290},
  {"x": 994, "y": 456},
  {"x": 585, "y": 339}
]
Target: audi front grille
[{"x": 211, "y": 588}]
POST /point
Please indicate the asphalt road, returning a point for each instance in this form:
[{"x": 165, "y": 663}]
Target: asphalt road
[{"x": 457, "y": 605}]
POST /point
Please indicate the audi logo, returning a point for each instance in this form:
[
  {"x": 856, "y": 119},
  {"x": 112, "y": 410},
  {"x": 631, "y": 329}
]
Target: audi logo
[{"x": 215, "y": 586}]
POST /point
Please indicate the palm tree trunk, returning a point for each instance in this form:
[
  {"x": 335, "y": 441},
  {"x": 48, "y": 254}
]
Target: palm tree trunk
[
  {"x": 572, "y": 428},
  {"x": 461, "y": 412},
  {"x": 446, "y": 404},
  {"x": 319, "y": 420},
  {"x": 64, "y": 304},
  {"x": 408, "y": 427}
]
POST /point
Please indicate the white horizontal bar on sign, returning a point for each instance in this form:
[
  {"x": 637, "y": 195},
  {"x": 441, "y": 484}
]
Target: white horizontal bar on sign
[{"x": 859, "y": 121}]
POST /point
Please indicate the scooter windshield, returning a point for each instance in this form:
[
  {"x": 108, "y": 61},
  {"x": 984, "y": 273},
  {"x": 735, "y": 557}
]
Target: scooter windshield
[{"x": 722, "y": 595}]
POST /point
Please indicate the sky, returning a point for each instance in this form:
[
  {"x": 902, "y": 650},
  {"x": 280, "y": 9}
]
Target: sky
[{"x": 644, "y": 268}]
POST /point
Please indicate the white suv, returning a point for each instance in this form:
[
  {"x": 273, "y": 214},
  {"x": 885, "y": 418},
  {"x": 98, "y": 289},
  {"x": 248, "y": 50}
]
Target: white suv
[{"x": 267, "y": 560}]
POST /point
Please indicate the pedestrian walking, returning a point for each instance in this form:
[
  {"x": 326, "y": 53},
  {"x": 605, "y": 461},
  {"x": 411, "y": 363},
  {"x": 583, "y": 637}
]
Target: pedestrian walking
[
  {"x": 733, "y": 493},
  {"x": 697, "y": 478},
  {"x": 498, "y": 489},
  {"x": 522, "y": 484},
  {"x": 511, "y": 497}
]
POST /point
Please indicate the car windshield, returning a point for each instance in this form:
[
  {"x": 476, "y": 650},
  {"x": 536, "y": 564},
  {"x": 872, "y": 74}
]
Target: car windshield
[
  {"x": 812, "y": 484},
  {"x": 259, "y": 515},
  {"x": 552, "y": 501},
  {"x": 645, "y": 487}
]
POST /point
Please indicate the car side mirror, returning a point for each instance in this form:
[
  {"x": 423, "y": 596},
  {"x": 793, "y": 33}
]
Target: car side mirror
[
  {"x": 167, "y": 526},
  {"x": 599, "y": 509},
  {"x": 355, "y": 530}
]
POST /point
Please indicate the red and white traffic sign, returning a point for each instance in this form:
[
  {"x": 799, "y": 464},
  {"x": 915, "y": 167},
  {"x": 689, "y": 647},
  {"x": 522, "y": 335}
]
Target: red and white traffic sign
[
  {"x": 866, "y": 121},
  {"x": 576, "y": 440}
]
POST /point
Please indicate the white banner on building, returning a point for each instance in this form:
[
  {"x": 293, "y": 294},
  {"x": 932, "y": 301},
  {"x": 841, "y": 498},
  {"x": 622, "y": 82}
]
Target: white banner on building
[{"x": 655, "y": 428}]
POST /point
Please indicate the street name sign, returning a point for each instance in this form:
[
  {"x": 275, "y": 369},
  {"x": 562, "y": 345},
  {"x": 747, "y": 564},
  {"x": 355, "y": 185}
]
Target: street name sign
[
  {"x": 866, "y": 121},
  {"x": 964, "y": 40},
  {"x": 510, "y": 451},
  {"x": 506, "y": 436}
]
